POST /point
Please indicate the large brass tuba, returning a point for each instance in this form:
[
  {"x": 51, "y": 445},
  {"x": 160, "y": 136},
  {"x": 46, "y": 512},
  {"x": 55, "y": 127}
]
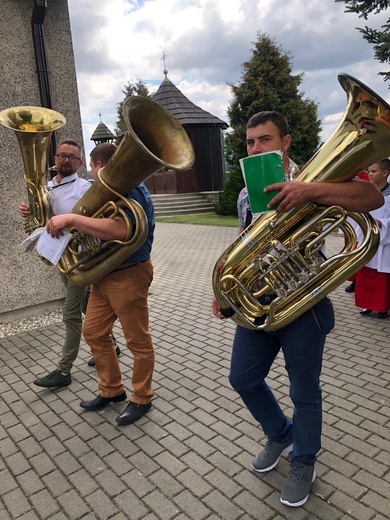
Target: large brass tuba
[
  {"x": 34, "y": 127},
  {"x": 268, "y": 276},
  {"x": 154, "y": 139}
]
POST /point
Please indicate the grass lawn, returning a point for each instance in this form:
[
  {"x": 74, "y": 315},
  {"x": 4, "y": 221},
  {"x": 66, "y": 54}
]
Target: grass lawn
[{"x": 204, "y": 219}]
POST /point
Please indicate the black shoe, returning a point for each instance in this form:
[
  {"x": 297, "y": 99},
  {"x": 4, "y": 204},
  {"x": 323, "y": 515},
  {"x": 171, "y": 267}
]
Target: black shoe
[
  {"x": 55, "y": 378},
  {"x": 382, "y": 315},
  {"x": 350, "y": 288},
  {"x": 101, "y": 402},
  {"x": 365, "y": 311},
  {"x": 91, "y": 362},
  {"x": 132, "y": 413}
]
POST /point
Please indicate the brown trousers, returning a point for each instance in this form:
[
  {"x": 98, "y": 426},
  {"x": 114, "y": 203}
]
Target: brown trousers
[{"x": 122, "y": 294}]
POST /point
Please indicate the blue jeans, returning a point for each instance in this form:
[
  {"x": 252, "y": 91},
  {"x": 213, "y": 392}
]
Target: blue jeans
[{"x": 302, "y": 343}]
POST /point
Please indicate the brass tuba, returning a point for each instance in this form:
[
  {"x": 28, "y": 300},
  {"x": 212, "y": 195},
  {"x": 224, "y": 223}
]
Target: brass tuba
[
  {"x": 268, "y": 277},
  {"x": 154, "y": 139},
  {"x": 34, "y": 127}
]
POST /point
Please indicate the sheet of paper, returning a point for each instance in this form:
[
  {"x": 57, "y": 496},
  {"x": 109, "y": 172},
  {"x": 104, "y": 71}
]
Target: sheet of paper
[
  {"x": 52, "y": 248},
  {"x": 28, "y": 243}
]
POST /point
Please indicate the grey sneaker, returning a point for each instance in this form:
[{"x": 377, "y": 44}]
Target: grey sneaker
[
  {"x": 270, "y": 455},
  {"x": 296, "y": 489},
  {"x": 54, "y": 379}
]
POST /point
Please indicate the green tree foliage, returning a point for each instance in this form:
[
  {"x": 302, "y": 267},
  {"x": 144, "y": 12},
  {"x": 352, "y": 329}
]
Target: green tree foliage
[
  {"x": 137, "y": 88},
  {"x": 267, "y": 84},
  {"x": 379, "y": 39}
]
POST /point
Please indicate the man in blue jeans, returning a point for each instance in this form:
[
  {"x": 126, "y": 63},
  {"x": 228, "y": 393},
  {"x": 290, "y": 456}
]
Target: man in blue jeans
[{"x": 302, "y": 342}]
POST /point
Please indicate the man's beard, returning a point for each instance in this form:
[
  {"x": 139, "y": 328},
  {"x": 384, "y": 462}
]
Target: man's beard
[{"x": 65, "y": 172}]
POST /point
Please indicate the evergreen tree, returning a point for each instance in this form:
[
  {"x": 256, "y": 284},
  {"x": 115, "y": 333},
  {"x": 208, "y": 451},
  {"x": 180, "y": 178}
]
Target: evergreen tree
[
  {"x": 131, "y": 89},
  {"x": 267, "y": 84},
  {"x": 379, "y": 39}
]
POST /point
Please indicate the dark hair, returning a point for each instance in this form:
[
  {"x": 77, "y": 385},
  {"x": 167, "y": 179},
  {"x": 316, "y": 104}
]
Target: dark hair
[
  {"x": 269, "y": 115},
  {"x": 71, "y": 143},
  {"x": 384, "y": 164},
  {"x": 102, "y": 152}
]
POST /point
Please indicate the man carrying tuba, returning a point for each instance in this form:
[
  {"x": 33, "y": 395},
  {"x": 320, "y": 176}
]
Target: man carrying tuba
[
  {"x": 302, "y": 341},
  {"x": 65, "y": 189},
  {"x": 121, "y": 294}
]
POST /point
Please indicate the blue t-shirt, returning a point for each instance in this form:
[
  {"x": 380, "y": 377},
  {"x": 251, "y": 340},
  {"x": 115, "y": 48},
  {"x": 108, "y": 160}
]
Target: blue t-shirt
[{"x": 141, "y": 195}]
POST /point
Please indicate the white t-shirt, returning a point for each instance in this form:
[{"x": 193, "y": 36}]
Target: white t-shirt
[{"x": 65, "y": 195}]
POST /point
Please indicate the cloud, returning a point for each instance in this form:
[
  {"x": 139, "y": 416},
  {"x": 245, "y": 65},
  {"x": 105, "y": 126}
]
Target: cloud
[{"x": 206, "y": 43}]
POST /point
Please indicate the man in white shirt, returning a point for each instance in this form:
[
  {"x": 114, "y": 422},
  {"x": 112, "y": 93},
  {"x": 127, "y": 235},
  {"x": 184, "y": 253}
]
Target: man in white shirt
[{"x": 66, "y": 188}]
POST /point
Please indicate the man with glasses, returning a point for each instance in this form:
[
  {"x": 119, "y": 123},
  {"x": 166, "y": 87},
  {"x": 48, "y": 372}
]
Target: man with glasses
[{"x": 66, "y": 188}]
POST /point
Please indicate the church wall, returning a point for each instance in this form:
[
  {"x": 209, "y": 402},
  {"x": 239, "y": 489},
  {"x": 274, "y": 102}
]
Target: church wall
[
  {"x": 28, "y": 286},
  {"x": 207, "y": 142}
]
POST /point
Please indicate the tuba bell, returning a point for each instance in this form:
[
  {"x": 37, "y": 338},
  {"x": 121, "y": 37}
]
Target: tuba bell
[
  {"x": 34, "y": 127},
  {"x": 267, "y": 277},
  {"x": 154, "y": 139}
]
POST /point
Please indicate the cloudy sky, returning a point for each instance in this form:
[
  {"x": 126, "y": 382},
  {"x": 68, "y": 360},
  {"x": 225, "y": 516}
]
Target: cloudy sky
[{"x": 206, "y": 42}]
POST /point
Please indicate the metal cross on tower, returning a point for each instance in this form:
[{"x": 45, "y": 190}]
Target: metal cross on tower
[{"x": 163, "y": 58}]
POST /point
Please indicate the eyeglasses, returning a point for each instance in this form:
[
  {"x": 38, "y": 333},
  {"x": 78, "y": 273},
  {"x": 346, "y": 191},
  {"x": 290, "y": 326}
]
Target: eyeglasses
[{"x": 71, "y": 157}]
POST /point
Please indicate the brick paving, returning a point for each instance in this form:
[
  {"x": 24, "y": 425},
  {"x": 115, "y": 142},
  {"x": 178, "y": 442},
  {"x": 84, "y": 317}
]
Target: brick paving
[{"x": 188, "y": 458}]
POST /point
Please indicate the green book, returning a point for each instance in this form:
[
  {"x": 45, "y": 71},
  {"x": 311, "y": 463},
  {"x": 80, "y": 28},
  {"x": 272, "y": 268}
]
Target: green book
[{"x": 260, "y": 171}]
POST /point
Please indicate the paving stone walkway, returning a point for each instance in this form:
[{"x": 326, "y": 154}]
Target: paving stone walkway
[{"x": 189, "y": 457}]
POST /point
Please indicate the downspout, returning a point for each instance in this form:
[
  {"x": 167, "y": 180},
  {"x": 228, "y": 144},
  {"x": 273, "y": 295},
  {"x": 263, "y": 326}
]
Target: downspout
[{"x": 38, "y": 34}]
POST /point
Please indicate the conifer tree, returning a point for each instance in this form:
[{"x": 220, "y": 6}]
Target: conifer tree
[
  {"x": 267, "y": 83},
  {"x": 379, "y": 39},
  {"x": 137, "y": 88}
]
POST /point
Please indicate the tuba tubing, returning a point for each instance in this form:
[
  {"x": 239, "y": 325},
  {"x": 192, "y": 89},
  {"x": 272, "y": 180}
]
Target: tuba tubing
[
  {"x": 33, "y": 127},
  {"x": 267, "y": 277},
  {"x": 154, "y": 139}
]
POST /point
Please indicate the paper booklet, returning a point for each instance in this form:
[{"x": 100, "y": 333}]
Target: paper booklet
[
  {"x": 260, "y": 171},
  {"x": 52, "y": 248}
]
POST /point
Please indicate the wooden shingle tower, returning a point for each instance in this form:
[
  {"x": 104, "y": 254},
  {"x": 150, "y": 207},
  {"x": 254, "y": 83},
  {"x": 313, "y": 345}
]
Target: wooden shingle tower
[{"x": 206, "y": 133}]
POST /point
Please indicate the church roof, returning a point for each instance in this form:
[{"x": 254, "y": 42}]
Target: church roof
[
  {"x": 102, "y": 133},
  {"x": 186, "y": 112}
]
